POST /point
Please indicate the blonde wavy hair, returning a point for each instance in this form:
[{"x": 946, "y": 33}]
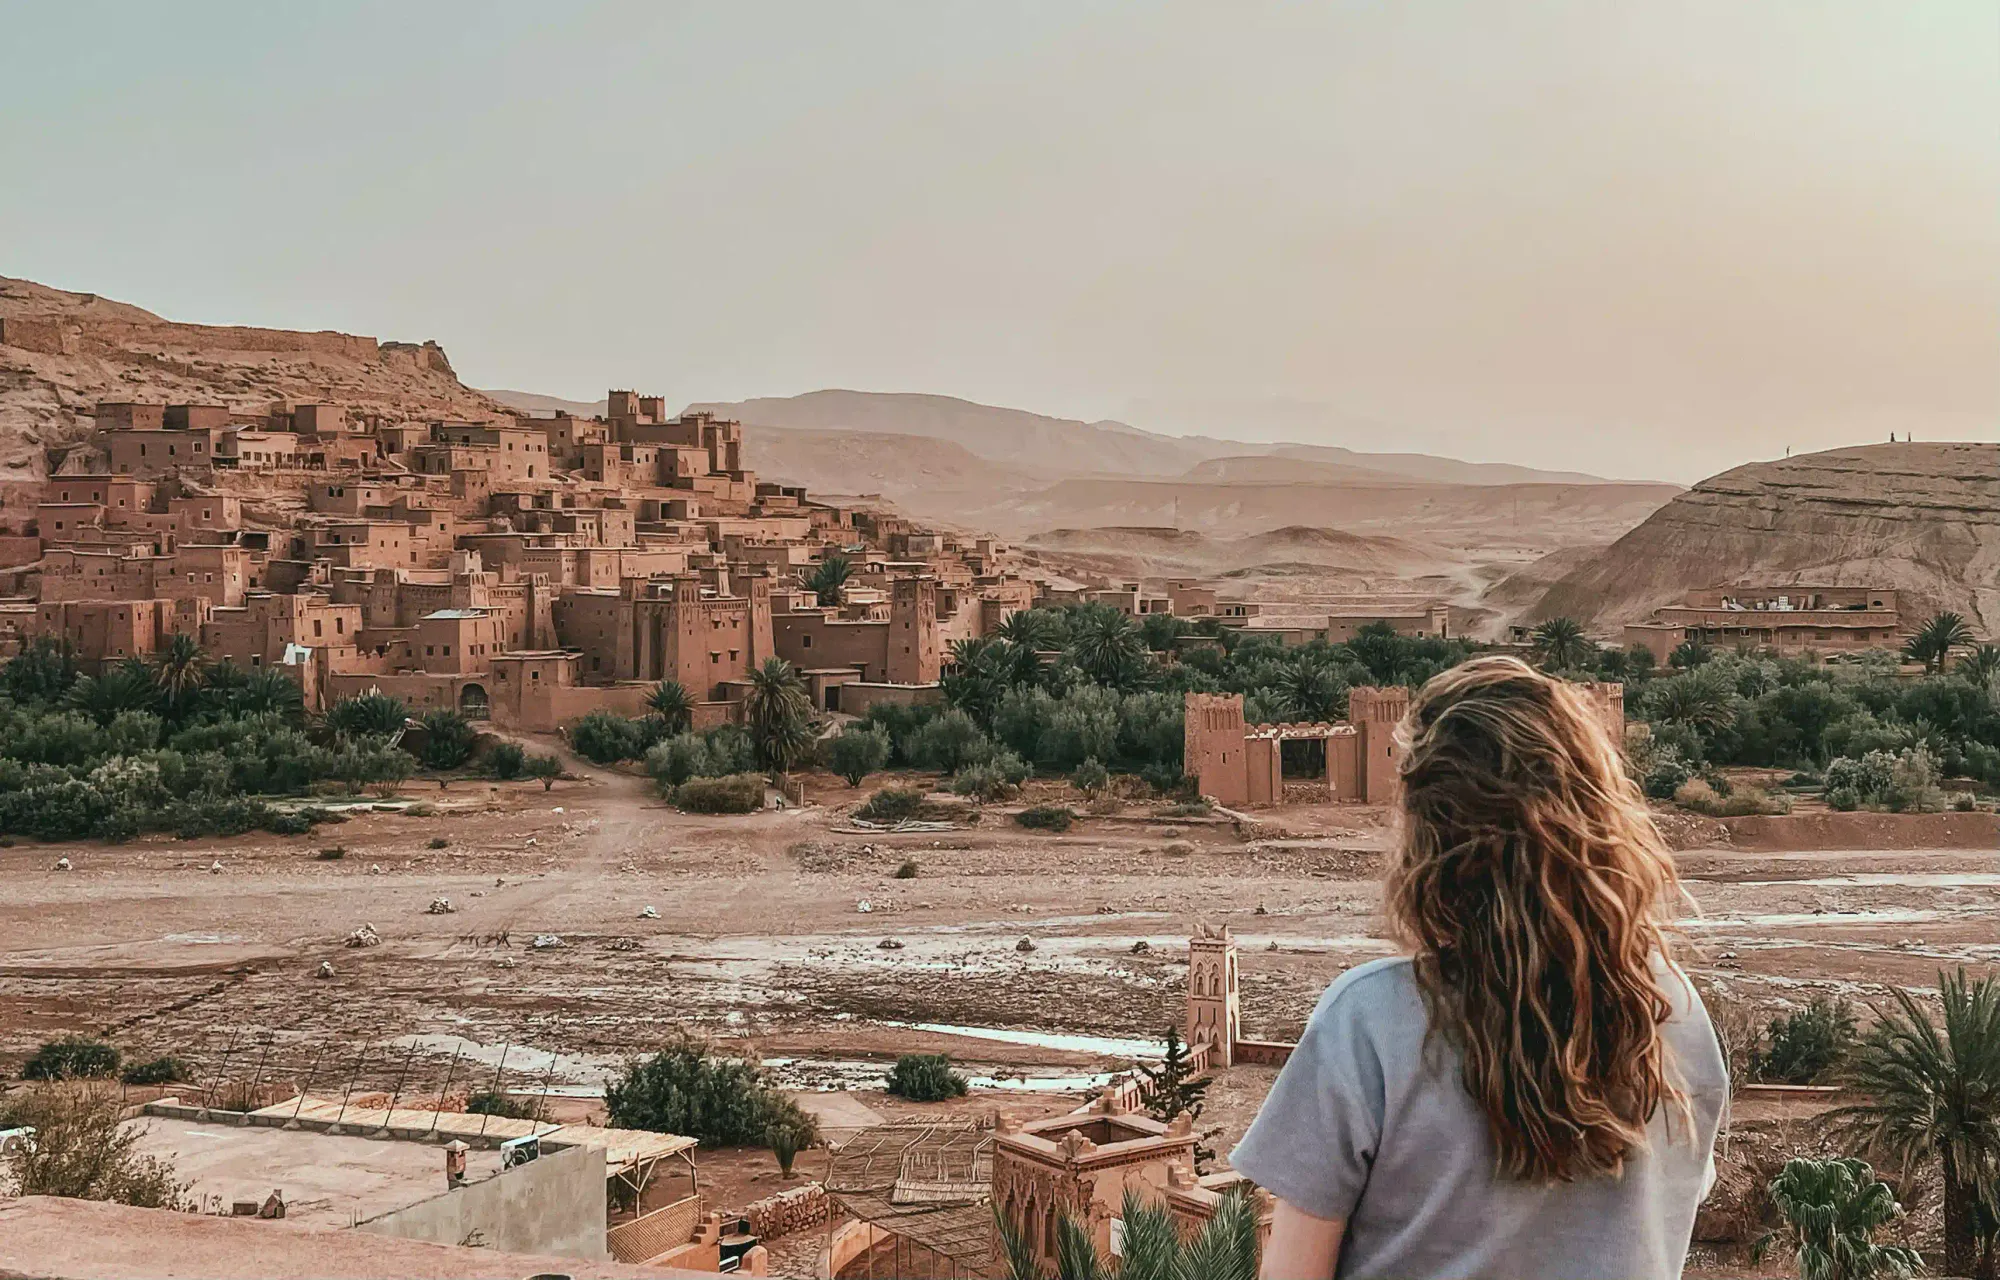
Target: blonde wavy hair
[{"x": 1534, "y": 893}]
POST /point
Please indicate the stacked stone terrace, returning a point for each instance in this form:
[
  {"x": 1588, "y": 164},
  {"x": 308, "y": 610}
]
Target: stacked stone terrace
[{"x": 527, "y": 568}]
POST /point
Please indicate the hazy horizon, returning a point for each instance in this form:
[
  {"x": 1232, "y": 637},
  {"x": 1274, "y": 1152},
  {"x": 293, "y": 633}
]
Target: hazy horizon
[{"x": 1645, "y": 242}]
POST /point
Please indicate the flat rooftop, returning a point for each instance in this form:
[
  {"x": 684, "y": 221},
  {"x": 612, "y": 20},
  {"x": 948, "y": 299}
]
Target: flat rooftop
[
  {"x": 327, "y": 1180},
  {"x": 86, "y": 1240}
]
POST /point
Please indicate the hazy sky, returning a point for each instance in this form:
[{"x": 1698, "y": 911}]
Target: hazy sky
[{"x": 1641, "y": 238}]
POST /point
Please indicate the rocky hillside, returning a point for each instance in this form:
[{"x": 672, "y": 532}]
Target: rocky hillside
[
  {"x": 60, "y": 353},
  {"x": 1921, "y": 518}
]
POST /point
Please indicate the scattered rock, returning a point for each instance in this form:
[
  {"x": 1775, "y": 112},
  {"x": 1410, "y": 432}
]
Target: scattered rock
[
  {"x": 365, "y": 936},
  {"x": 621, "y": 944},
  {"x": 440, "y": 907},
  {"x": 1261, "y": 910},
  {"x": 1273, "y": 946},
  {"x": 864, "y": 906},
  {"x": 498, "y": 881},
  {"x": 1178, "y": 849},
  {"x": 374, "y": 868},
  {"x": 544, "y": 941},
  {"x": 506, "y": 962},
  {"x": 648, "y": 913},
  {"x": 1025, "y": 944},
  {"x": 1141, "y": 947},
  {"x": 215, "y": 868},
  {"x": 62, "y": 864},
  {"x": 889, "y": 944},
  {"x": 1107, "y": 911},
  {"x": 557, "y": 809},
  {"x": 325, "y": 969}
]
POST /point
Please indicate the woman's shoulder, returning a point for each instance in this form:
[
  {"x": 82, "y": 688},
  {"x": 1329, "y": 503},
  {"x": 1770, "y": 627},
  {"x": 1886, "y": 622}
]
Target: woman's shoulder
[{"x": 1380, "y": 989}]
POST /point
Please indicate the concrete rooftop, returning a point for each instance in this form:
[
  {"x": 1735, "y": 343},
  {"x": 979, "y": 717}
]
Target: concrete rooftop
[{"x": 327, "y": 1180}]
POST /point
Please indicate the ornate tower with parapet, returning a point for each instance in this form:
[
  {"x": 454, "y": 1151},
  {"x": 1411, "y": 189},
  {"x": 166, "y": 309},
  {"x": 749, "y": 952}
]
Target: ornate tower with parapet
[{"x": 1214, "y": 1013}]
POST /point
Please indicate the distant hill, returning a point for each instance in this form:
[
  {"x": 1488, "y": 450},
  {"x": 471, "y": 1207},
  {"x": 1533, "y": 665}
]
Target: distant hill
[
  {"x": 529, "y": 402},
  {"x": 61, "y": 352},
  {"x": 1921, "y": 518},
  {"x": 1070, "y": 446}
]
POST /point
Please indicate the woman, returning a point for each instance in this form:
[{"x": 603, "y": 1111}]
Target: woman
[{"x": 1534, "y": 1089}]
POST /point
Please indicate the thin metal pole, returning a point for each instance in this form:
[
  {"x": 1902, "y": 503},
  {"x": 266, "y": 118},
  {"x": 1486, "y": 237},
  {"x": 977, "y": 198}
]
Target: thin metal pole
[
  {"x": 348, "y": 1092},
  {"x": 497, "y": 1070},
  {"x": 270, "y": 1038},
  {"x": 390, "y": 1115},
  {"x": 208, "y": 1094},
  {"x": 449, "y": 1073},
  {"x": 542, "y": 1104},
  {"x": 311, "y": 1071}
]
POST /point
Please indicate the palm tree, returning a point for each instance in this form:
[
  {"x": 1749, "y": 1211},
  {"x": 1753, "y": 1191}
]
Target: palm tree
[
  {"x": 1224, "y": 1249},
  {"x": 1981, "y": 665},
  {"x": 179, "y": 673},
  {"x": 1934, "y": 1095},
  {"x": 129, "y": 686},
  {"x": 1030, "y": 628},
  {"x": 1832, "y": 1209},
  {"x": 374, "y": 713},
  {"x": 1935, "y": 640},
  {"x": 1697, "y": 699},
  {"x": 1562, "y": 644},
  {"x": 1311, "y": 689},
  {"x": 779, "y": 712},
  {"x": 670, "y": 702},
  {"x": 267, "y": 689},
  {"x": 1107, "y": 647},
  {"x": 829, "y": 581}
]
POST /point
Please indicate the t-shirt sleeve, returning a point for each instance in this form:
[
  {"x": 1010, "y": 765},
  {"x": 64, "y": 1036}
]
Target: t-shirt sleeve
[{"x": 1315, "y": 1138}]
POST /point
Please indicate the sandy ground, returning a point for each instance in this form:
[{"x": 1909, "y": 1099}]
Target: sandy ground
[{"x": 760, "y": 942}]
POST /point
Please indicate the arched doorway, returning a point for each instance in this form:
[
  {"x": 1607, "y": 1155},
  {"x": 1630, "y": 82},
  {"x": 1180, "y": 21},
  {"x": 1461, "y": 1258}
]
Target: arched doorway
[{"x": 472, "y": 702}]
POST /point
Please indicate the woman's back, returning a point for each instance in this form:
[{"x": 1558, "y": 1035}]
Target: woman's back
[
  {"x": 1362, "y": 1126},
  {"x": 1535, "y": 1090}
]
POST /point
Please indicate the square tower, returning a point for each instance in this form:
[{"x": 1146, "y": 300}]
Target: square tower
[{"x": 1214, "y": 1013}]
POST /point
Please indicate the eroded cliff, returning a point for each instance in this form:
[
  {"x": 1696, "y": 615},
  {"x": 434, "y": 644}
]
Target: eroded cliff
[{"x": 1921, "y": 518}]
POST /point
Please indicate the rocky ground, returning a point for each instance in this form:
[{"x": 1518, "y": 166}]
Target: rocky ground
[{"x": 1041, "y": 963}]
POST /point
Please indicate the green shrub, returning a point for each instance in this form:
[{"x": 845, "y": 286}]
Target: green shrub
[
  {"x": 1963, "y": 802},
  {"x": 289, "y": 823},
  {"x": 1090, "y": 777},
  {"x": 72, "y": 1058},
  {"x": 1901, "y": 782},
  {"x": 604, "y": 737},
  {"x": 1805, "y": 1043},
  {"x": 448, "y": 739},
  {"x": 892, "y": 804},
  {"x": 993, "y": 779},
  {"x": 1700, "y": 796},
  {"x": 925, "y": 1077},
  {"x": 859, "y": 750},
  {"x": 505, "y": 760},
  {"x": 1046, "y": 817},
  {"x": 907, "y": 870},
  {"x": 165, "y": 1069},
  {"x": 737, "y": 793},
  {"x": 491, "y": 1102},
  {"x": 545, "y": 769},
  {"x": 718, "y": 1101},
  {"x": 672, "y": 761},
  {"x": 84, "y": 1150},
  {"x": 332, "y": 853}
]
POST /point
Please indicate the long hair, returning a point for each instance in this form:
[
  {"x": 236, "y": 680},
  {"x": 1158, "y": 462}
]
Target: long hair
[{"x": 1533, "y": 889}]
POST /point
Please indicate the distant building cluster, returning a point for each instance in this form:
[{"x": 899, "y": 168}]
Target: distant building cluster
[{"x": 528, "y": 568}]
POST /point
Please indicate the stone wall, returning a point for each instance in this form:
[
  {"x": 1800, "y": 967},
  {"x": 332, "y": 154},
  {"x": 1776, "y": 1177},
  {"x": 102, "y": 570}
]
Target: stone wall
[{"x": 797, "y": 1209}]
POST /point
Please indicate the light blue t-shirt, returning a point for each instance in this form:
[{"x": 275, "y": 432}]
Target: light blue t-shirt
[{"x": 1362, "y": 1125}]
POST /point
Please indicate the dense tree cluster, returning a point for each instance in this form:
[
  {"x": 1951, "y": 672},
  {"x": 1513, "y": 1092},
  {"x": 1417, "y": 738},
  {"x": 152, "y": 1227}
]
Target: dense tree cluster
[
  {"x": 1875, "y": 738},
  {"x": 1089, "y": 689},
  {"x": 181, "y": 744}
]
